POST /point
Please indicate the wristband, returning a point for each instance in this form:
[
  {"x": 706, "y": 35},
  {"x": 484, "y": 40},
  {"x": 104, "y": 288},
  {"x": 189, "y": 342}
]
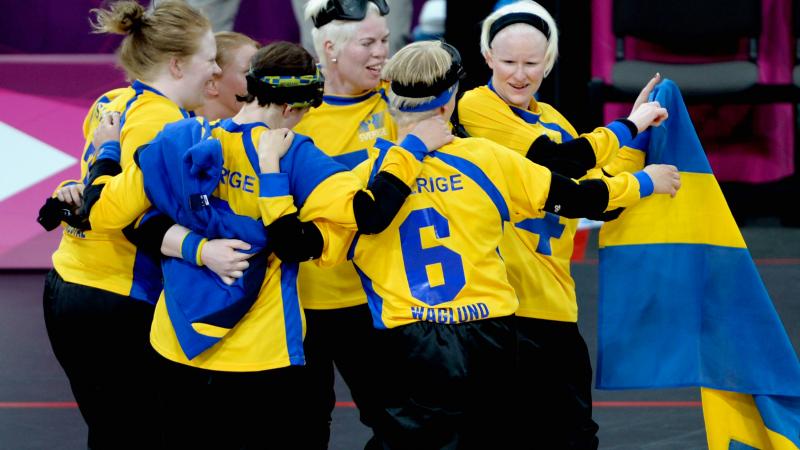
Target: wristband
[
  {"x": 415, "y": 146},
  {"x": 646, "y": 186},
  {"x": 109, "y": 150},
  {"x": 191, "y": 247}
]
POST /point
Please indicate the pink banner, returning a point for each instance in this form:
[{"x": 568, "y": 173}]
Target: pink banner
[{"x": 41, "y": 130}]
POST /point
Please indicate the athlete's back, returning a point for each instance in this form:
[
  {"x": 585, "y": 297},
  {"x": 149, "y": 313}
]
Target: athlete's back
[{"x": 439, "y": 261}]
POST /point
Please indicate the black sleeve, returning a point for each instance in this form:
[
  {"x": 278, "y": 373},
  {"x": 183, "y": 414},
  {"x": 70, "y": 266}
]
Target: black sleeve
[
  {"x": 373, "y": 216},
  {"x": 91, "y": 193},
  {"x": 608, "y": 216},
  {"x": 149, "y": 235},
  {"x": 294, "y": 241},
  {"x": 588, "y": 198},
  {"x": 571, "y": 159}
]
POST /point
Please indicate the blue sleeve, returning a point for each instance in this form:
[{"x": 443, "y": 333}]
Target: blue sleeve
[{"x": 307, "y": 166}]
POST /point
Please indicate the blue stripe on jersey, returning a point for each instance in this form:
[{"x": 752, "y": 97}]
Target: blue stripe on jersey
[
  {"x": 351, "y": 159},
  {"x": 385, "y": 98},
  {"x": 249, "y": 147},
  {"x": 383, "y": 147},
  {"x": 565, "y": 136},
  {"x": 352, "y": 250},
  {"x": 139, "y": 89},
  {"x": 90, "y": 149},
  {"x": 479, "y": 177},
  {"x": 533, "y": 119},
  {"x": 307, "y": 167},
  {"x": 374, "y": 300},
  {"x": 343, "y": 101},
  {"x": 292, "y": 317},
  {"x": 146, "y": 284}
]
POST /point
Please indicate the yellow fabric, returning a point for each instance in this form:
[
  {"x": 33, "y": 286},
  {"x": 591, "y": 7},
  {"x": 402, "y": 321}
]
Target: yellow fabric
[
  {"x": 731, "y": 415},
  {"x": 696, "y": 209},
  {"x": 399, "y": 271},
  {"x": 542, "y": 281},
  {"x": 259, "y": 340},
  {"x": 484, "y": 114},
  {"x": 105, "y": 259},
  {"x": 341, "y": 130}
]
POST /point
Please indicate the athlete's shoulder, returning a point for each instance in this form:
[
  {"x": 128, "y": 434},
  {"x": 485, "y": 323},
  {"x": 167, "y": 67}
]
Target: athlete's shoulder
[{"x": 478, "y": 94}]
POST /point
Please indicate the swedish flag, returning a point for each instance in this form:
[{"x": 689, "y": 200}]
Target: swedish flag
[{"x": 681, "y": 302}]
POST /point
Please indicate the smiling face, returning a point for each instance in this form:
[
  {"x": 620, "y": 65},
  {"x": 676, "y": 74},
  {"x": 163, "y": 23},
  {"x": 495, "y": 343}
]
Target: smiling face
[
  {"x": 360, "y": 60},
  {"x": 197, "y": 71},
  {"x": 517, "y": 60},
  {"x": 232, "y": 81}
]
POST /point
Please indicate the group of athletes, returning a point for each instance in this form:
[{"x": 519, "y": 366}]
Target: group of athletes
[{"x": 247, "y": 218}]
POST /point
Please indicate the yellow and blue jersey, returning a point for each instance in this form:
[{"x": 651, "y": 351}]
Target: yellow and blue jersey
[
  {"x": 106, "y": 259},
  {"x": 270, "y": 334},
  {"x": 537, "y": 250},
  {"x": 345, "y": 128},
  {"x": 438, "y": 261}
]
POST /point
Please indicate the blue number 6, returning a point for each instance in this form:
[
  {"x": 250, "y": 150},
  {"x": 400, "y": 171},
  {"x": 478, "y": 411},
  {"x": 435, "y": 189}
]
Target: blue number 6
[{"x": 416, "y": 258}]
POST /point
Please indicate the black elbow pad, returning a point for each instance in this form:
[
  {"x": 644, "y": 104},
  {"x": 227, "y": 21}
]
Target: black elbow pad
[
  {"x": 294, "y": 241},
  {"x": 589, "y": 198},
  {"x": 374, "y": 215},
  {"x": 149, "y": 235},
  {"x": 571, "y": 159},
  {"x": 103, "y": 167}
]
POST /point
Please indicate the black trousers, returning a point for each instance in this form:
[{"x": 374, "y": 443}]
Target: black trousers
[
  {"x": 206, "y": 409},
  {"x": 449, "y": 386},
  {"x": 102, "y": 341},
  {"x": 344, "y": 337},
  {"x": 554, "y": 387}
]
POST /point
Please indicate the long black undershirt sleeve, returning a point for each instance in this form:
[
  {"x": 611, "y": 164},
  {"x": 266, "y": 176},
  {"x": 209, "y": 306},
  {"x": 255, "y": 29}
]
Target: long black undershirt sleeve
[
  {"x": 91, "y": 193},
  {"x": 374, "y": 215},
  {"x": 587, "y": 198},
  {"x": 296, "y": 241},
  {"x": 149, "y": 235},
  {"x": 571, "y": 159}
]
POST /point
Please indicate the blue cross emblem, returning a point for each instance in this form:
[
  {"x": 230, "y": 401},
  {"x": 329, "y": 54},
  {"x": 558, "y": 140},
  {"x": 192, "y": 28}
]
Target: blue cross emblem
[{"x": 547, "y": 228}]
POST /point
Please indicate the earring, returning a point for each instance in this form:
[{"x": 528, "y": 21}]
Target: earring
[{"x": 333, "y": 60}]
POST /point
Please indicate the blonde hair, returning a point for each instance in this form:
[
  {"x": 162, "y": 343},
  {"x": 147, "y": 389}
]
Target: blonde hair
[
  {"x": 227, "y": 42},
  {"x": 339, "y": 32},
  {"x": 421, "y": 62},
  {"x": 171, "y": 29},
  {"x": 524, "y": 6}
]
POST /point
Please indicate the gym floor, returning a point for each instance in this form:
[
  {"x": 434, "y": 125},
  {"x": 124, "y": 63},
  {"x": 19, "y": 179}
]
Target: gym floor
[{"x": 37, "y": 410}]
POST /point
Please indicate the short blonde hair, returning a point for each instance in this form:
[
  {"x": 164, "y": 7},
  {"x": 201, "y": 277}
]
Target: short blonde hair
[
  {"x": 228, "y": 42},
  {"x": 524, "y": 6},
  {"x": 170, "y": 29},
  {"x": 339, "y": 32},
  {"x": 421, "y": 62}
]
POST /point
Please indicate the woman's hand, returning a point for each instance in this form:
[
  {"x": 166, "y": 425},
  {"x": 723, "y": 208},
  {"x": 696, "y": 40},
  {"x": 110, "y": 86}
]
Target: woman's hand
[
  {"x": 107, "y": 129},
  {"x": 223, "y": 257},
  {"x": 71, "y": 194},
  {"x": 645, "y": 113},
  {"x": 434, "y": 132},
  {"x": 666, "y": 178},
  {"x": 272, "y": 145}
]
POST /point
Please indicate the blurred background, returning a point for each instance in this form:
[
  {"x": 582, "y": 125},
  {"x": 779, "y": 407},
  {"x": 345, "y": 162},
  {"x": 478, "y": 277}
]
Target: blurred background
[
  {"x": 737, "y": 75},
  {"x": 735, "y": 61}
]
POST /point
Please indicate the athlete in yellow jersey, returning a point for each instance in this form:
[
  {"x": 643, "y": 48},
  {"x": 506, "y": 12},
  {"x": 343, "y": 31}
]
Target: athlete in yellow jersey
[
  {"x": 251, "y": 362},
  {"x": 98, "y": 299},
  {"x": 435, "y": 281},
  {"x": 354, "y": 113},
  {"x": 520, "y": 43}
]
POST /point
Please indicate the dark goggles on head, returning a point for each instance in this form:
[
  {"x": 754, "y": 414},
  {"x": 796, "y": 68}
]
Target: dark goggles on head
[
  {"x": 347, "y": 10},
  {"x": 454, "y": 74},
  {"x": 297, "y": 91}
]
